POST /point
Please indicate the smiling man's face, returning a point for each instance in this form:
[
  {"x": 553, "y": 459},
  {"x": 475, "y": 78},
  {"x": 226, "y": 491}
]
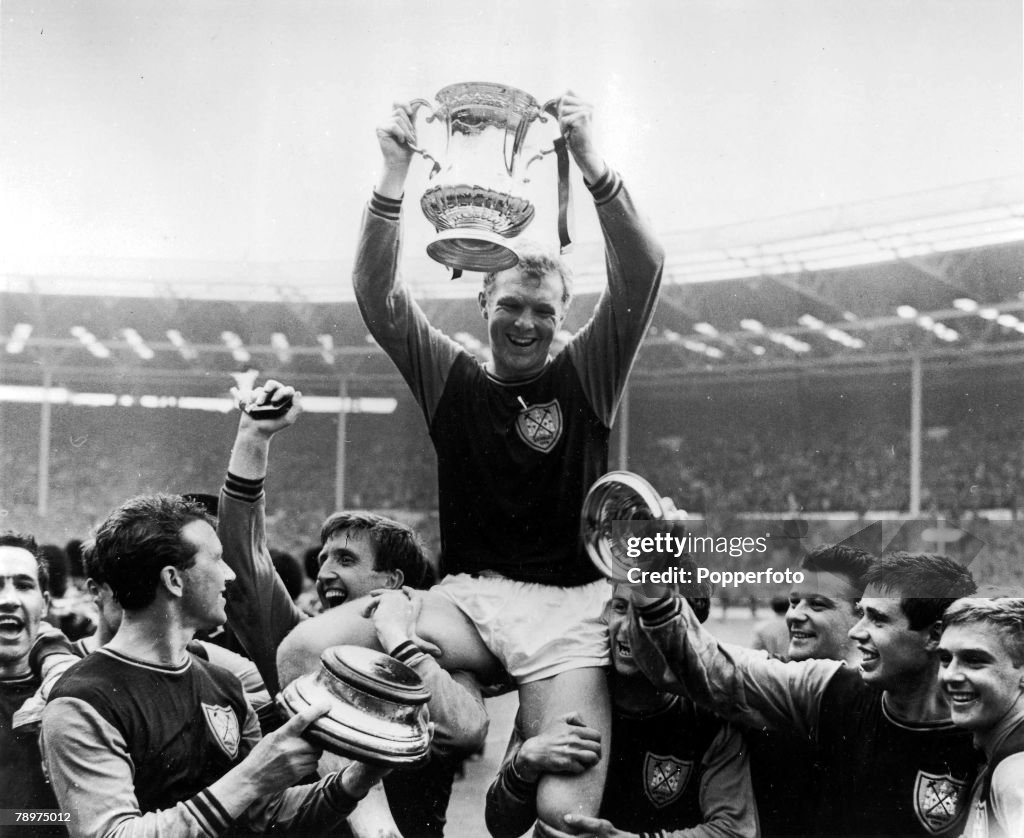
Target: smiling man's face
[
  {"x": 22, "y": 604},
  {"x": 523, "y": 316},
  {"x": 821, "y": 613},
  {"x": 348, "y": 571},
  {"x": 978, "y": 676},
  {"x": 892, "y": 653}
]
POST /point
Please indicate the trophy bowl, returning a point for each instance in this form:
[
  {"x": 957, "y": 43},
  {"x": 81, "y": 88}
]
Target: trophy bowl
[
  {"x": 475, "y": 202},
  {"x": 378, "y": 706},
  {"x": 616, "y": 497}
]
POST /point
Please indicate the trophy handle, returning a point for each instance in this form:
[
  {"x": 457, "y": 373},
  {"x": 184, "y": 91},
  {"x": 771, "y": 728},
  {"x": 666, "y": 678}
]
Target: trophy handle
[
  {"x": 549, "y": 107},
  {"x": 415, "y": 105},
  {"x": 560, "y": 150}
]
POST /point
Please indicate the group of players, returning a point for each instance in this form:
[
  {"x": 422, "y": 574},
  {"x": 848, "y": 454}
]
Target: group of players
[{"x": 900, "y": 712}]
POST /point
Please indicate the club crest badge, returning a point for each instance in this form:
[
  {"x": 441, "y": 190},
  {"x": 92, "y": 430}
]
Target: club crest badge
[
  {"x": 540, "y": 425},
  {"x": 665, "y": 778},
  {"x": 223, "y": 724},
  {"x": 937, "y": 800}
]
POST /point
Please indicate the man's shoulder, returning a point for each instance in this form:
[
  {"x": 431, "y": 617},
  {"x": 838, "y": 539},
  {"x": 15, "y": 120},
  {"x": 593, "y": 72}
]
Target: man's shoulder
[
  {"x": 89, "y": 677},
  {"x": 846, "y": 690}
]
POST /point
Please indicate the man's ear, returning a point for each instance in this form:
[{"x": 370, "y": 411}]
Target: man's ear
[
  {"x": 395, "y": 579},
  {"x": 481, "y": 298},
  {"x": 934, "y": 636},
  {"x": 171, "y": 578}
]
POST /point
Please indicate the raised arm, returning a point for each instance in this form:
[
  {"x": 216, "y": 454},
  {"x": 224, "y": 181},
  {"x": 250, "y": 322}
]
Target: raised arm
[
  {"x": 603, "y": 350},
  {"x": 746, "y": 686},
  {"x": 259, "y": 608},
  {"x": 422, "y": 354}
]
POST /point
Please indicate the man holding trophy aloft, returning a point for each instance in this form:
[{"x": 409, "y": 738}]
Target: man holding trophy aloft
[{"x": 519, "y": 440}]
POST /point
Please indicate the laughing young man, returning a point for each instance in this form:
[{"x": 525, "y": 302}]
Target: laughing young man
[
  {"x": 23, "y": 603},
  {"x": 893, "y": 763},
  {"x": 519, "y": 442},
  {"x": 982, "y": 659}
]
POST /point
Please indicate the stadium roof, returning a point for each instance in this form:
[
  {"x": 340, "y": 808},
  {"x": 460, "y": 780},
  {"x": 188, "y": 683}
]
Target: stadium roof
[{"x": 937, "y": 275}]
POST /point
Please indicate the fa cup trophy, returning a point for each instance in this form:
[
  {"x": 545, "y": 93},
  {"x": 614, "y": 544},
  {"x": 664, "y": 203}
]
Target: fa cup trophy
[
  {"x": 378, "y": 710},
  {"x": 475, "y": 199}
]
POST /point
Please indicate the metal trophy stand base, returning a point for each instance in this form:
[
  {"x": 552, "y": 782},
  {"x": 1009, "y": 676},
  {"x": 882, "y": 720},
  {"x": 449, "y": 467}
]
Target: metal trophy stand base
[
  {"x": 472, "y": 250},
  {"x": 378, "y": 706}
]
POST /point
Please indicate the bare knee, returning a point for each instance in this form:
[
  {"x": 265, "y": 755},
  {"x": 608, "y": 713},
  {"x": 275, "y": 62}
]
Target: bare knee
[{"x": 561, "y": 794}]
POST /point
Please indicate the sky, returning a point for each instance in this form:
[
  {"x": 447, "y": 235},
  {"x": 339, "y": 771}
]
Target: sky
[{"x": 240, "y": 132}]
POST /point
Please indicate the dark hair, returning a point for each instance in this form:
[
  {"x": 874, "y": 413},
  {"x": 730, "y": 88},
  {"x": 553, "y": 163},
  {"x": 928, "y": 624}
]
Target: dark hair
[
  {"x": 311, "y": 562},
  {"x": 24, "y": 541},
  {"x": 396, "y": 546},
  {"x": 535, "y": 263},
  {"x": 287, "y": 567},
  {"x": 58, "y": 567},
  {"x": 926, "y": 583},
  {"x": 780, "y": 604},
  {"x": 75, "y": 562},
  {"x": 1004, "y": 614},
  {"x": 839, "y": 560},
  {"x": 93, "y": 569},
  {"x": 139, "y": 539}
]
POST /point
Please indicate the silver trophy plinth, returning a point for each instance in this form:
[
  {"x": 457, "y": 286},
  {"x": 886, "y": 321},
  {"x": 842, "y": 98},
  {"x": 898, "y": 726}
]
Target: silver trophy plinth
[
  {"x": 378, "y": 706},
  {"x": 617, "y": 497},
  {"x": 475, "y": 200}
]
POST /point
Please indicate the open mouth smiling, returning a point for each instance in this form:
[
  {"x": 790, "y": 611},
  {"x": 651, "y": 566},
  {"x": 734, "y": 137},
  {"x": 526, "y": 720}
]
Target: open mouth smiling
[
  {"x": 9, "y": 624},
  {"x": 335, "y": 596}
]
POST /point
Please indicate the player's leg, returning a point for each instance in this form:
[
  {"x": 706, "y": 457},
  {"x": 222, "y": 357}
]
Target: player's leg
[
  {"x": 584, "y": 691},
  {"x": 440, "y": 622}
]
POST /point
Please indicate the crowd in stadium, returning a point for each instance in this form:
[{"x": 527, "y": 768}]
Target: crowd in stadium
[
  {"x": 969, "y": 466},
  {"x": 855, "y": 468}
]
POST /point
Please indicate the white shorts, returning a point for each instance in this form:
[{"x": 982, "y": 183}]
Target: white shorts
[{"x": 536, "y": 631}]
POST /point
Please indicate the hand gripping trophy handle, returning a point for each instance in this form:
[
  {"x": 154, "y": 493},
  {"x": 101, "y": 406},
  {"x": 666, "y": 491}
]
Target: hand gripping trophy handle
[
  {"x": 414, "y": 106},
  {"x": 551, "y": 108},
  {"x": 561, "y": 152}
]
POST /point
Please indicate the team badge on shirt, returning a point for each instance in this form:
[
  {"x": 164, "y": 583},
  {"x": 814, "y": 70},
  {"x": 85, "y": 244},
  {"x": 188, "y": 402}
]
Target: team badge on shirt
[
  {"x": 540, "y": 425},
  {"x": 665, "y": 778},
  {"x": 223, "y": 724},
  {"x": 937, "y": 800}
]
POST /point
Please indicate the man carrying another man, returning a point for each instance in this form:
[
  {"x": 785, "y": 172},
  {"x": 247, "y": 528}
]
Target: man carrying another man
[{"x": 519, "y": 442}]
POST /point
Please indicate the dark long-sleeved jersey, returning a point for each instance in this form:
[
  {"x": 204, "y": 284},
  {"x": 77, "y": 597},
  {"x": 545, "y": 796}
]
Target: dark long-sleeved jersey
[
  {"x": 516, "y": 459},
  {"x": 884, "y": 776}
]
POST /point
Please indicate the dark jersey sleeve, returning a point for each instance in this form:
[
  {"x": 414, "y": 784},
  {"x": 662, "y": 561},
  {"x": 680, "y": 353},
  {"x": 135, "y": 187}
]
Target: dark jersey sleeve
[
  {"x": 423, "y": 354},
  {"x": 604, "y": 349}
]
